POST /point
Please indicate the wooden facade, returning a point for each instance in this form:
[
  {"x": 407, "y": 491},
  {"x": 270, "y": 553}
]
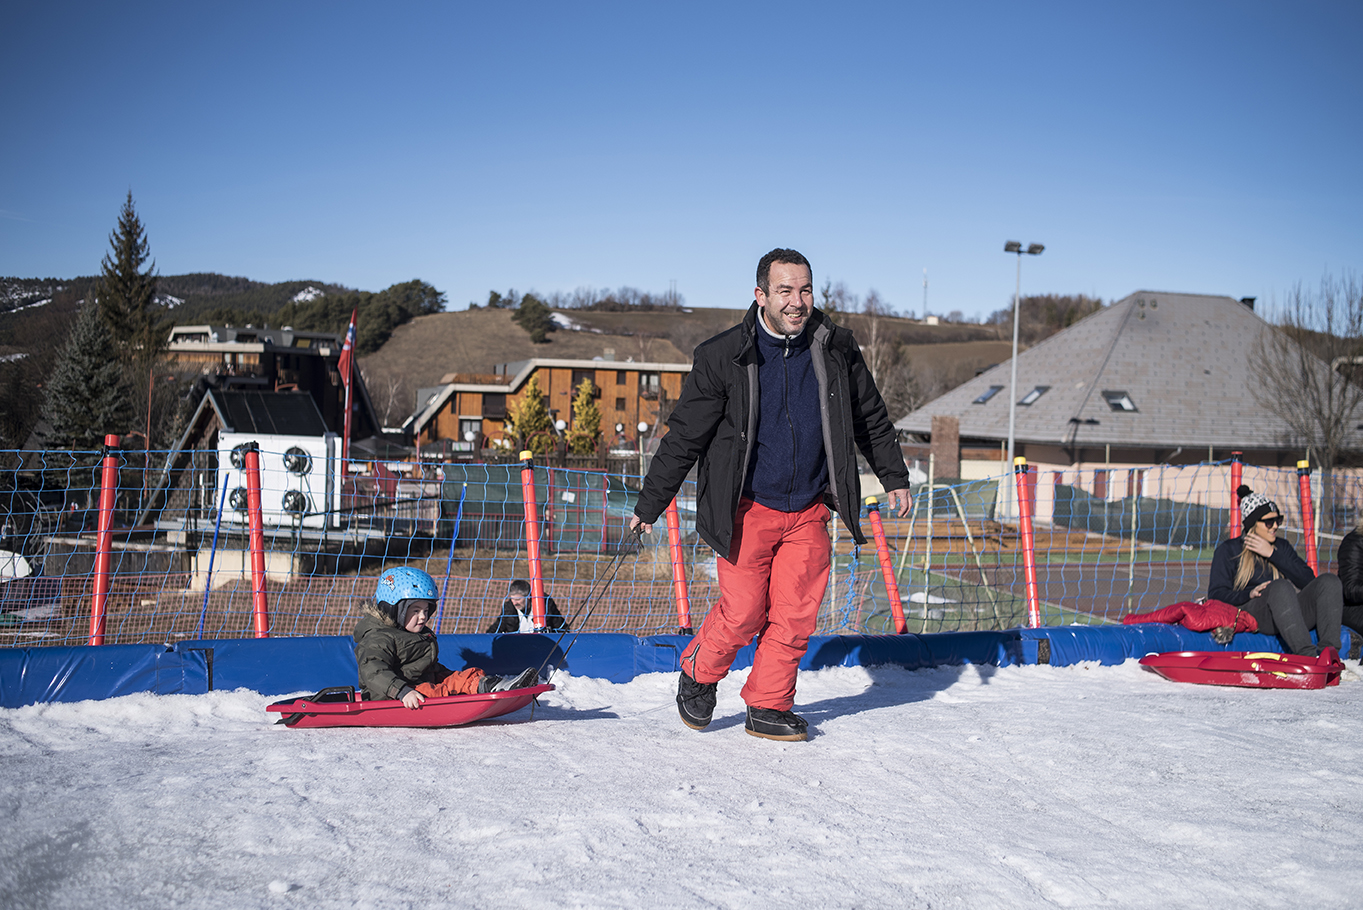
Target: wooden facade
[{"x": 626, "y": 394}]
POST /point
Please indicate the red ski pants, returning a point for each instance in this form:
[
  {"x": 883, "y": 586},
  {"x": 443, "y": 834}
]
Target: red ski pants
[
  {"x": 771, "y": 585},
  {"x": 448, "y": 682}
]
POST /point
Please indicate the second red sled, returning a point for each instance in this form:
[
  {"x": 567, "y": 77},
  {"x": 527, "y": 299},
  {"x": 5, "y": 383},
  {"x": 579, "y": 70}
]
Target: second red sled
[
  {"x": 1255, "y": 669},
  {"x": 339, "y": 707}
]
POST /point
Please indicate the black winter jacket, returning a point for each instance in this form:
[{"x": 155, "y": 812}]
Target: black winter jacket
[
  {"x": 1351, "y": 567},
  {"x": 392, "y": 660},
  {"x": 510, "y": 620},
  {"x": 715, "y": 419},
  {"x": 1226, "y": 560}
]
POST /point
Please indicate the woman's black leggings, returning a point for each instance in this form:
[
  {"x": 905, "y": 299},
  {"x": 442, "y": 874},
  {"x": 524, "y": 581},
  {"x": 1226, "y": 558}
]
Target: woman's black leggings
[{"x": 1281, "y": 610}]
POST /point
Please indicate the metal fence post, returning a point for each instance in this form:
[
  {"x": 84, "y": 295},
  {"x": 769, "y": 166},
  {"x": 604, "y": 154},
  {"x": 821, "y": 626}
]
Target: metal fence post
[
  {"x": 260, "y": 608},
  {"x": 108, "y": 488},
  {"x": 887, "y": 566},
  {"x": 1028, "y": 541}
]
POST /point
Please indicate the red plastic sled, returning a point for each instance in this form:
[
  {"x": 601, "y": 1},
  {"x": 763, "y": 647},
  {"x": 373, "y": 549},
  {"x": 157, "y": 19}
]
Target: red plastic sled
[
  {"x": 338, "y": 707},
  {"x": 1258, "y": 669}
]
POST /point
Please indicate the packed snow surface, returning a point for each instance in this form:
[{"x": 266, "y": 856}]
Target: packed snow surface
[{"x": 955, "y": 787}]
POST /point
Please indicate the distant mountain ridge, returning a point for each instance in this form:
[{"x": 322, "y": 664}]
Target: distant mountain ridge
[{"x": 191, "y": 296}]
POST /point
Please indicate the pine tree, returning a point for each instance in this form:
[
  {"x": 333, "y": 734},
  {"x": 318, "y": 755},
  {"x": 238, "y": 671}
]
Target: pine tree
[
  {"x": 88, "y": 394},
  {"x": 127, "y": 294},
  {"x": 535, "y": 317},
  {"x": 528, "y": 418},
  {"x": 586, "y": 420}
]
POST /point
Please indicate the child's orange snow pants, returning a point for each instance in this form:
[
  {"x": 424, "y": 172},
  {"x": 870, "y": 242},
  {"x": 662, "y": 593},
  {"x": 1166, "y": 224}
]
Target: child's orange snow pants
[
  {"x": 771, "y": 585},
  {"x": 448, "y": 682}
]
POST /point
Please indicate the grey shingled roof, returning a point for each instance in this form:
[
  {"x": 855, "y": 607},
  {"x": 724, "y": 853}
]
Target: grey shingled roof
[{"x": 1186, "y": 361}]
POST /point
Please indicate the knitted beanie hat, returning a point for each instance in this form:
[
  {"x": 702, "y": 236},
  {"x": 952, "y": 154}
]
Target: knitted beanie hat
[{"x": 1254, "y": 506}]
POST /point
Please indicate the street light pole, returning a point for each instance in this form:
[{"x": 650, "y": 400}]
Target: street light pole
[{"x": 1032, "y": 249}]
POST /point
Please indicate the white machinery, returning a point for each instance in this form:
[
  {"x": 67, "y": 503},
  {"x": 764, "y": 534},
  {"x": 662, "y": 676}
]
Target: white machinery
[{"x": 300, "y": 479}]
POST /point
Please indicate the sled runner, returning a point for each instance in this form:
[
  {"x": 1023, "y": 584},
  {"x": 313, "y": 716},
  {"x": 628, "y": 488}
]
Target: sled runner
[
  {"x": 1259, "y": 669},
  {"x": 338, "y": 707}
]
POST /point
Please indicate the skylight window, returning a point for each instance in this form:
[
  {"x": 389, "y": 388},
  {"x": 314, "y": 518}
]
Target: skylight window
[
  {"x": 1119, "y": 401},
  {"x": 1033, "y": 395},
  {"x": 988, "y": 394}
]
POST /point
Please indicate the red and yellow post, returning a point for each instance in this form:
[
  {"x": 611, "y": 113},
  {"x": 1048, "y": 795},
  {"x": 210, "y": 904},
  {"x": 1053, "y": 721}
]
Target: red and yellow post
[
  {"x": 1308, "y": 514},
  {"x": 260, "y": 607},
  {"x": 1024, "y": 490},
  {"x": 886, "y": 565},
  {"x": 538, "y": 610},
  {"x": 679, "y": 588},
  {"x": 104, "y": 540}
]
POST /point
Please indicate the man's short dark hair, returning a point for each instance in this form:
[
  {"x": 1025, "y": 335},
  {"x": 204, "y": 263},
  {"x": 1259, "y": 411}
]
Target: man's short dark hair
[{"x": 789, "y": 257}]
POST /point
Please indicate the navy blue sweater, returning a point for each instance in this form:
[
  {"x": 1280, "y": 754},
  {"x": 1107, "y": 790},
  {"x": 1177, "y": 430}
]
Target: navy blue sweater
[{"x": 788, "y": 469}]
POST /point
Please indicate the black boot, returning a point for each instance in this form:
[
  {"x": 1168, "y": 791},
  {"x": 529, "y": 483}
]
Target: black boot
[
  {"x": 695, "y": 702},
  {"x": 527, "y": 677},
  {"x": 769, "y": 723}
]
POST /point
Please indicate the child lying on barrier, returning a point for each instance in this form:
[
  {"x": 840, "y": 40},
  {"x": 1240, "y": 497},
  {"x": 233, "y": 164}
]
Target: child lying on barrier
[{"x": 398, "y": 655}]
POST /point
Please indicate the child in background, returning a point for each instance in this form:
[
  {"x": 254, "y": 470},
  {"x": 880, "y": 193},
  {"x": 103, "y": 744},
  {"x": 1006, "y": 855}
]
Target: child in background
[{"x": 398, "y": 655}]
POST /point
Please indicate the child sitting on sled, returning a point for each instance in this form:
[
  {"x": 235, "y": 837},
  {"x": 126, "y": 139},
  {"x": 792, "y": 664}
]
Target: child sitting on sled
[{"x": 398, "y": 655}]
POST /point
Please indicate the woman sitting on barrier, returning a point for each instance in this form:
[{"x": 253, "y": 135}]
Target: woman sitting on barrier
[
  {"x": 1263, "y": 575},
  {"x": 1351, "y": 576}
]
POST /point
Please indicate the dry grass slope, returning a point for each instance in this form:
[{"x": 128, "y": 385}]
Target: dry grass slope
[{"x": 473, "y": 341}]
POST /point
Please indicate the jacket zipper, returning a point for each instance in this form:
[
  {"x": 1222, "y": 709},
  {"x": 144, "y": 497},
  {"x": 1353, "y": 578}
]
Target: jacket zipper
[{"x": 785, "y": 392}]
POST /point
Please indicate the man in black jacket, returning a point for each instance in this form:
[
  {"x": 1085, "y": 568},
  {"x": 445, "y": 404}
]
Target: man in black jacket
[{"x": 774, "y": 410}]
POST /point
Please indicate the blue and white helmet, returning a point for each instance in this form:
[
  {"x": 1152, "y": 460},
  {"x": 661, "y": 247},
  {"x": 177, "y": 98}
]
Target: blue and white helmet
[{"x": 399, "y": 585}]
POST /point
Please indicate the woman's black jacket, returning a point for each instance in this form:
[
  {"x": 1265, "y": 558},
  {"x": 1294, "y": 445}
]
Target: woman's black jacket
[
  {"x": 1351, "y": 567},
  {"x": 1226, "y": 560}
]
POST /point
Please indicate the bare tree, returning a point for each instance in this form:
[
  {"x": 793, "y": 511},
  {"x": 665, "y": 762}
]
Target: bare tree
[
  {"x": 1311, "y": 369},
  {"x": 835, "y": 298},
  {"x": 879, "y": 343},
  {"x": 391, "y": 395},
  {"x": 899, "y": 386}
]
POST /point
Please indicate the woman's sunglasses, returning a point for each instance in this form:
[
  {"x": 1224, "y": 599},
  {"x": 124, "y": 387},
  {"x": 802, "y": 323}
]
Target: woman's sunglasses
[{"x": 1272, "y": 522}]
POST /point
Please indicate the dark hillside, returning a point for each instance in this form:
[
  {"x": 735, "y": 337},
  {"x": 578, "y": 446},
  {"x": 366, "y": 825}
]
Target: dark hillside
[
  {"x": 36, "y": 315},
  {"x": 212, "y": 298}
]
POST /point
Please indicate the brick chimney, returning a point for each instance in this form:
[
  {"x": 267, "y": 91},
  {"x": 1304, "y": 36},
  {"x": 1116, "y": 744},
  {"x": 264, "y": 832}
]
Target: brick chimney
[{"x": 946, "y": 446}]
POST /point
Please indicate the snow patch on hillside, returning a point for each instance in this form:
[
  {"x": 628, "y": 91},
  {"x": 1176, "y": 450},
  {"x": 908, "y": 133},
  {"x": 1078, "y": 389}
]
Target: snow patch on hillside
[{"x": 308, "y": 293}]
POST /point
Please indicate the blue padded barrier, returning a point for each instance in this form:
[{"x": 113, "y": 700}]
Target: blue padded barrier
[
  {"x": 1114, "y": 644},
  {"x": 277, "y": 666},
  {"x": 282, "y": 666},
  {"x": 29, "y": 675}
]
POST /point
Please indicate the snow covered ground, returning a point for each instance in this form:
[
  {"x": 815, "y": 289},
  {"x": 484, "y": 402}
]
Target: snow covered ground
[{"x": 955, "y": 787}]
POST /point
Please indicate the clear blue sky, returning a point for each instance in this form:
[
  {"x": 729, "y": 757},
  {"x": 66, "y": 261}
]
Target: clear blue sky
[{"x": 1208, "y": 148}]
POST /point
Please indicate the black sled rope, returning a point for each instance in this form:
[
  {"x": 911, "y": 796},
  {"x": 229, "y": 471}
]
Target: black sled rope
[{"x": 589, "y": 603}]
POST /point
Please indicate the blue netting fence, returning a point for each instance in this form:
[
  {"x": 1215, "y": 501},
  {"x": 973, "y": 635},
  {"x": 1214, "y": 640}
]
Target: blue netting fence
[{"x": 1107, "y": 541}]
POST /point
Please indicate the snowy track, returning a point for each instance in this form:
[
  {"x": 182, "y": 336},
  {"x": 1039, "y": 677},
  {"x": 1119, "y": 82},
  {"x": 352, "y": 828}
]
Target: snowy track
[{"x": 956, "y": 787}]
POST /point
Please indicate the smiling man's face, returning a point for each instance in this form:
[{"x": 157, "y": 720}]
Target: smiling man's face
[{"x": 791, "y": 299}]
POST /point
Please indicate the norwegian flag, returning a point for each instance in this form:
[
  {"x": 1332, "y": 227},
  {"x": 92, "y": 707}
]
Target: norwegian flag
[{"x": 346, "y": 350}]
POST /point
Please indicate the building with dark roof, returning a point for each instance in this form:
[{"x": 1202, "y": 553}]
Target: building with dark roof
[
  {"x": 1153, "y": 378},
  {"x": 1156, "y": 379}
]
